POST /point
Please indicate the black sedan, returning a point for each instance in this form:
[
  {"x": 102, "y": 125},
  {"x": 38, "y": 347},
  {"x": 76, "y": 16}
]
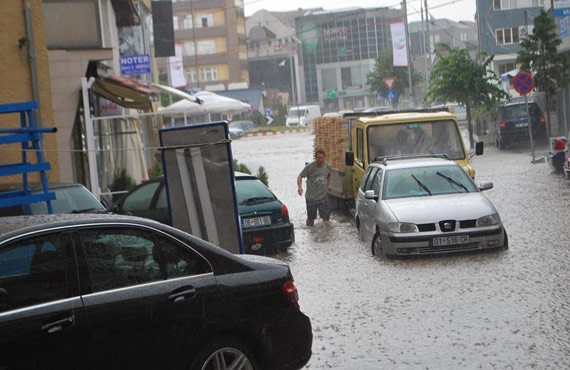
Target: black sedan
[{"x": 120, "y": 292}]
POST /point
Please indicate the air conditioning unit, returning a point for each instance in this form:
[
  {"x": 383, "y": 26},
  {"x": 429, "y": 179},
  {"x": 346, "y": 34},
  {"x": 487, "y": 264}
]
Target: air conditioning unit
[{"x": 524, "y": 31}]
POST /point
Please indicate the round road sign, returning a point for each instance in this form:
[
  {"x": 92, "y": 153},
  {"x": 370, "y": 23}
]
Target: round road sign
[{"x": 523, "y": 83}]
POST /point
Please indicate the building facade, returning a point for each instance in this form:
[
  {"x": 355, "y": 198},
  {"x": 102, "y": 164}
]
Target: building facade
[
  {"x": 212, "y": 37},
  {"x": 25, "y": 76},
  {"x": 337, "y": 50}
]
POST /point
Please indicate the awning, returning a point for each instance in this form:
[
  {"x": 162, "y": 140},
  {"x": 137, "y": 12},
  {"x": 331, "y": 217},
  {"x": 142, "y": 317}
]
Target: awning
[
  {"x": 511, "y": 73},
  {"x": 126, "y": 92}
]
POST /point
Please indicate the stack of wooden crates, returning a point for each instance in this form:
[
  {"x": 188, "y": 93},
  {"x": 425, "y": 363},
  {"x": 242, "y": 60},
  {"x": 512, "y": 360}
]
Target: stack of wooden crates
[{"x": 331, "y": 134}]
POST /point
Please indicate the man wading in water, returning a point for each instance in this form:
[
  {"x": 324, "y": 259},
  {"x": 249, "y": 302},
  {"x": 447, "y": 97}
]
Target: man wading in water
[{"x": 318, "y": 176}]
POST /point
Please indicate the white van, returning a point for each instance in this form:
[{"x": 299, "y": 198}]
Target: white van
[{"x": 303, "y": 115}]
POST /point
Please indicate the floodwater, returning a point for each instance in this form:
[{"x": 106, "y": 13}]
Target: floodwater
[{"x": 498, "y": 310}]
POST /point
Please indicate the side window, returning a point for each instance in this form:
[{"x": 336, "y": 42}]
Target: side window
[
  {"x": 32, "y": 272},
  {"x": 122, "y": 257},
  {"x": 161, "y": 202},
  {"x": 377, "y": 181},
  {"x": 141, "y": 198},
  {"x": 369, "y": 174},
  {"x": 360, "y": 145}
]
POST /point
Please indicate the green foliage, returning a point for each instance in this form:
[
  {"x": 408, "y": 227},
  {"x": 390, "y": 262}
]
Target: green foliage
[
  {"x": 240, "y": 167},
  {"x": 281, "y": 116},
  {"x": 539, "y": 56},
  {"x": 156, "y": 170},
  {"x": 122, "y": 181},
  {"x": 262, "y": 175},
  {"x": 384, "y": 68},
  {"x": 456, "y": 77}
]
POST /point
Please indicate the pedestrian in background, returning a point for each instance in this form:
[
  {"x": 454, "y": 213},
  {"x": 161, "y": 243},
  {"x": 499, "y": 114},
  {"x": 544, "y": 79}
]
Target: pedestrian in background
[{"x": 318, "y": 177}]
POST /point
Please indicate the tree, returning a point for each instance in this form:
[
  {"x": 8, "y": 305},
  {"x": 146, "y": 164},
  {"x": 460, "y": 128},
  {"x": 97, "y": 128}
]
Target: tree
[
  {"x": 383, "y": 68},
  {"x": 456, "y": 77},
  {"x": 539, "y": 56}
]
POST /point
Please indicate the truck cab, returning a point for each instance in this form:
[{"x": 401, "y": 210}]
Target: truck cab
[{"x": 369, "y": 137}]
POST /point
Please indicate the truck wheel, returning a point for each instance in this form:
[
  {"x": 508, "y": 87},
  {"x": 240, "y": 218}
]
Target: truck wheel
[{"x": 225, "y": 353}]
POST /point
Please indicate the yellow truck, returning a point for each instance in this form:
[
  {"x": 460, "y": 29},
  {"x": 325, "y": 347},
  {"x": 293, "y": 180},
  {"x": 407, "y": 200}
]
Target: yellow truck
[{"x": 354, "y": 140}]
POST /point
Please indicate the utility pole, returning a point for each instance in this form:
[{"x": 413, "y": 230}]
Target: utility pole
[
  {"x": 404, "y": 8},
  {"x": 427, "y": 41}
]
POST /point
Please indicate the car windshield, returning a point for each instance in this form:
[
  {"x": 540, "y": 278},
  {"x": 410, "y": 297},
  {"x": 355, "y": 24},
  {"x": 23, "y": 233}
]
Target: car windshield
[
  {"x": 518, "y": 111},
  {"x": 252, "y": 191},
  {"x": 439, "y": 137},
  {"x": 69, "y": 199},
  {"x": 426, "y": 181},
  {"x": 297, "y": 112}
]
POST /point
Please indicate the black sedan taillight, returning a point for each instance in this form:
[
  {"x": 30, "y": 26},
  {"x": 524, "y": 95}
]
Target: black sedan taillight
[{"x": 290, "y": 290}]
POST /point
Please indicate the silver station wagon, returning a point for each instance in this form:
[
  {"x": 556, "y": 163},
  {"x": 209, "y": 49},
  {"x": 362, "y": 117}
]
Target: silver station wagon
[{"x": 415, "y": 205}]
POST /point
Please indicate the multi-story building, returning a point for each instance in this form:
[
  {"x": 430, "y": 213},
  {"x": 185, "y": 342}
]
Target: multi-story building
[
  {"x": 337, "y": 50},
  {"x": 212, "y": 37},
  {"x": 501, "y": 26},
  {"x": 424, "y": 36}
]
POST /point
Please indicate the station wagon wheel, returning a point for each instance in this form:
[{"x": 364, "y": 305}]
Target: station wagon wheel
[
  {"x": 506, "y": 244},
  {"x": 376, "y": 245},
  {"x": 225, "y": 353}
]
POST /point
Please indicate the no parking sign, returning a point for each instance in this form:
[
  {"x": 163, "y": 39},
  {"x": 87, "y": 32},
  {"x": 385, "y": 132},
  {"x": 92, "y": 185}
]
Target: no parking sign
[{"x": 523, "y": 83}]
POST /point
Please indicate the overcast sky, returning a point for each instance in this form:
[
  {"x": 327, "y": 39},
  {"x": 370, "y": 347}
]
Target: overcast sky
[{"x": 459, "y": 10}]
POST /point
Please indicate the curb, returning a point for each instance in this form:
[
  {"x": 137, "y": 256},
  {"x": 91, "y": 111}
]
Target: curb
[{"x": 273, "y": 133}]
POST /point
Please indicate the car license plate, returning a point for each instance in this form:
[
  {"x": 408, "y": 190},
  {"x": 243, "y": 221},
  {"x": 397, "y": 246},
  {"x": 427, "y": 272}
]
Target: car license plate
[
  {"x": 256, "y": 221},
  {"x": 450, "y": 240},
  {"x": 522, "y": 124}
]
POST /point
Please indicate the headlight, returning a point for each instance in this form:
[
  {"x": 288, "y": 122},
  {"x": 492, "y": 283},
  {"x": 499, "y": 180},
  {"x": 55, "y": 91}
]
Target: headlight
[
  {"x": 402, "y": 227},
  {"x": 489, "y": 220}
]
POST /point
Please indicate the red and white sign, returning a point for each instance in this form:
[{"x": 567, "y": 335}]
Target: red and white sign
[{"x": 390, "y": 81}]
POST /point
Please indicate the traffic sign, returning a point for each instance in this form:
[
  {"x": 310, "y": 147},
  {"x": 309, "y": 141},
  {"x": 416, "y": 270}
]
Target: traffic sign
[
  {"x": 523, "y": 83},
  {"x": 391, "y": 95},
  {"x": 390, "y": 81}
]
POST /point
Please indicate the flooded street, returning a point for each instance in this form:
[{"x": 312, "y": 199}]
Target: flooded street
[{"x": 499, "y": 310}]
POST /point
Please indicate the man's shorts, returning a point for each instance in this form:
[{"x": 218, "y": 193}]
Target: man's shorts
[{"x": 322, "y": 206}]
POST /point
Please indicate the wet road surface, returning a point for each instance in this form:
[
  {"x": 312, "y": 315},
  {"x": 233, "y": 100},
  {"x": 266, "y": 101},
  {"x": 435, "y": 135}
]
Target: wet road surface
[{"x": 498, "y": 310}]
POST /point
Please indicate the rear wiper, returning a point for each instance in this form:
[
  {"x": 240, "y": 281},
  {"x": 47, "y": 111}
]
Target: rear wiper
[
  {"x": 421, "y": 184},
  {"x": 452, "y": 181},
  {"x": 256, "y": 199}
]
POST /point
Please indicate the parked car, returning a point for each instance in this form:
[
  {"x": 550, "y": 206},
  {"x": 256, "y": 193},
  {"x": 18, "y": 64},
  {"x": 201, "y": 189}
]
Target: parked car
[
  {"x": 69, "y": 198},
  {"x": 378, "y": 109},
  {"x": 265, "y": 224},
  {"x": 415, "y": 205},
  {"x": 245, "y": 125},
  {"x": 512, "y": 124},
  {"x": 235, "y": 132},
  {"x": 119, "y": 292}
]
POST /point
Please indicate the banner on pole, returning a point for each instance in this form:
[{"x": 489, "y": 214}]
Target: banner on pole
[{"x": 399, "y": 50}]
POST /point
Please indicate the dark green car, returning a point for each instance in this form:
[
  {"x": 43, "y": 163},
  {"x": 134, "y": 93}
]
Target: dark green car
[{"x": 264, "y": 219}]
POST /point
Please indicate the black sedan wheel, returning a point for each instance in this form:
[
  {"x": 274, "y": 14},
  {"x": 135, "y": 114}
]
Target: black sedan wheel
[{"x": 223, "y": 354}]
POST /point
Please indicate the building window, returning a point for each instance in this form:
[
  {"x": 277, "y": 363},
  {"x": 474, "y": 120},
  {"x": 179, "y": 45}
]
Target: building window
[
  {"x": 206, "y": 20},
  {"x": 206, "y": 47},
  {"x": 208, "y": 74},
  {"x": 191, "y": 75},
  {"x": 504, "y": 68},
  {"x": 175, "y": 21},
  {"x": 187, "y": 22},
  {"x": 516, "y": 4},
  {"x": 507, "y": 36},
  {"x": 188, "y": 49}
]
